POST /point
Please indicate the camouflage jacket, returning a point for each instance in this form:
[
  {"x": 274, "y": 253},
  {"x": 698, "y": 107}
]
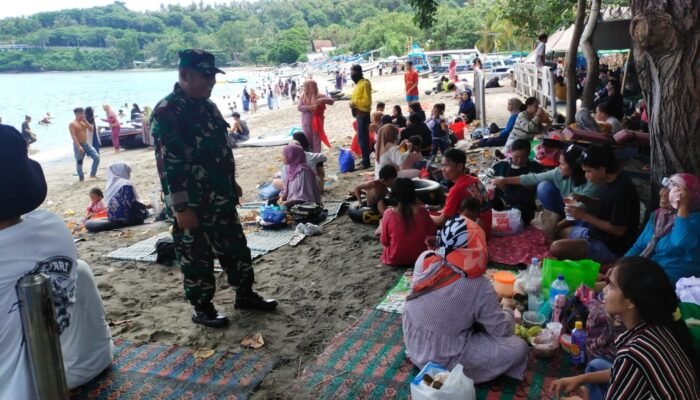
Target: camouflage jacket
[{"x": 195, "y": 163}]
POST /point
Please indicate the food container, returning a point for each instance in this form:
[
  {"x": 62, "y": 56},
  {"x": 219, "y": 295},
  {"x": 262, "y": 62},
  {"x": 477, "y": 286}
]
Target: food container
[
  {"x": 533, "y": 318},
  {"x": 503, "y": 282},
  {"x": 545, "y": 344}
]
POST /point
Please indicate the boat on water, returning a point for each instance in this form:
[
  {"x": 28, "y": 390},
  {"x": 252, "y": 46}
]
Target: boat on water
[
  {"x": 237, "y": 80},
  {"x": 130, "y": 136}
]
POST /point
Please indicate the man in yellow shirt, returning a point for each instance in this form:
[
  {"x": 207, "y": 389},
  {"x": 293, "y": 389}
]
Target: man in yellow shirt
[{"x": 361, "y": 105}]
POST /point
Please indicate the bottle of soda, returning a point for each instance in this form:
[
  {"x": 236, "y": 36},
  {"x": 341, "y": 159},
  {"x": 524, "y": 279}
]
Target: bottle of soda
[{"x": 578, "y": 344}]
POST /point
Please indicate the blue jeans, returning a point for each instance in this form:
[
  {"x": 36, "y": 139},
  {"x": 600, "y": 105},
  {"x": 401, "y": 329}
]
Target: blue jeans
[
  {"x": 597, "y": 391},
  {"x": 363, "y": 138},
  {"x": 550, "y": 197},
  {"x": 89, "y": 151}
]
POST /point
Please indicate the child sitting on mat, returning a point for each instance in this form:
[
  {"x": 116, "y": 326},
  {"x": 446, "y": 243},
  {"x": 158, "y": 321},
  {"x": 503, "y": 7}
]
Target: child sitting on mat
[
  {"x": 97, "y": 208},
  {"x": 376, "y": 190}
]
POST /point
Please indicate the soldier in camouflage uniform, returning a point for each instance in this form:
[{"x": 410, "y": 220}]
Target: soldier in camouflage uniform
[{"x": 197, "y": 173}]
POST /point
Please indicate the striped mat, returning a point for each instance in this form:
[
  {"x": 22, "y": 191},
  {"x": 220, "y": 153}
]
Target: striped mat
[
  {"x": 155, "y": 371},
  {"x": 368, "y": 361}
]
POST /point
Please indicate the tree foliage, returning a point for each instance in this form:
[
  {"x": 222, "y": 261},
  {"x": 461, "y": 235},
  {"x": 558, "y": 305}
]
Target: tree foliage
[{"x": 280, "y": 30}]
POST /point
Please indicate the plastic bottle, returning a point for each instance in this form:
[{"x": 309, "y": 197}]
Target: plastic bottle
[
  {"x": 559, "y": 286},
  {"x": 559, "y": 303},
  {"x": 534, "y": 286},
  {"x": 578, "y": 344}
]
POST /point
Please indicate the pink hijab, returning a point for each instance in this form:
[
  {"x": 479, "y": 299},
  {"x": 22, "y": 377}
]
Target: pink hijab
[{"x": 296, "y": 163}]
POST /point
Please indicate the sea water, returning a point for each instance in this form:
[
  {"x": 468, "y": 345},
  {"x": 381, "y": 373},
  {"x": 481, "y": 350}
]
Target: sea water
[{"x": 59, "y": 93}]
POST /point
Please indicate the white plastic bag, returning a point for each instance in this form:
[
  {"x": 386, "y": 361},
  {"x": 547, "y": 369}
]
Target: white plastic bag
[
  {"x": 506, "y": 223},
  {"x": 456, "y": 387}
]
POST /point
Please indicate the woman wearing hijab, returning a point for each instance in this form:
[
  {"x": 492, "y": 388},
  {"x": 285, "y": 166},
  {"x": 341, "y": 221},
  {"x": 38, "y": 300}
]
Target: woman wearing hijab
[
  {"x": 453, "y": 315},
  {"x": 113, "y": 122},
  {"x": 388, "y": 152},
  {"x": 452, "y": 70},
  {"x": 299, "y": 184},
  {"x": 146, "y": 125},
  {"x": 312, "y": 106},
  {"x": 245, "y": 99},
  {"x": 94, "y": 139},
  {"x": 671, "y": 238},
  {"x": 123, "y": 205}
]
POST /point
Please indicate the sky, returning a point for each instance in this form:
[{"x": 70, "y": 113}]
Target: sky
[{"x": 25, "y": 8}]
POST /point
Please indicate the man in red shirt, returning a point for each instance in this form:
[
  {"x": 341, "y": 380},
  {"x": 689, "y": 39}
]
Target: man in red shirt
[
  {"x": 465, "y": 187},
  {"x": 411, "y": 80}
]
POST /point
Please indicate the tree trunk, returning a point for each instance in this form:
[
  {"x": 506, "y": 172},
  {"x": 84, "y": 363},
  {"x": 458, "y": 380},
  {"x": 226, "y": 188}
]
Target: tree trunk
[
  {"x": 571, "y": 77},
  {"x": 666, "y": 46},
  {"x": 591, "y": 56}
]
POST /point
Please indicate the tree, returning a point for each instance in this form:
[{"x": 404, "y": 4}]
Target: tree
[
  {"x": 571, "y": 77},
  {"x": 591, "y": 55},
  {"x": 665, "y": 41}
]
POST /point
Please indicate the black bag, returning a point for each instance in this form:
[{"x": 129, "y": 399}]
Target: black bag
[
  {"x": 574, "y": 310},
  {"x": 165, "y": 248},
  {"x": 308, "y": 212}
]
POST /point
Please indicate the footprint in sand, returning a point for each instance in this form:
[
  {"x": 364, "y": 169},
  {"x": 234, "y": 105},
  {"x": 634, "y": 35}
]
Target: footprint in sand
[{"x": 160, "y": 335}]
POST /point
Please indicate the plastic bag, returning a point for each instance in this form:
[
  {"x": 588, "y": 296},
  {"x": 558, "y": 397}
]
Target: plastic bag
[
  {"x": 575, "y": 273},
  {"x": 506, "y": 223},
  {"x": 346, "y": 161},
  {"x": 455, "y": 387}
]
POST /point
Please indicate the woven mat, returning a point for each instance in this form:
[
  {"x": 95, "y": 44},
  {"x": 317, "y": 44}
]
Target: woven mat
[
  {"x": 153, "y": 371},
  {"x": 144, "y": 250},
  {"x": 260, "y": 242},
  {"x": 520, "y": 248},
  {"x": 395, "y": 300},
  {"x": 368, "y": 361}
]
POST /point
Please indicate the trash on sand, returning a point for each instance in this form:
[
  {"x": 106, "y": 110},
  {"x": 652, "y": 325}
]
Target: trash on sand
[
  {"x": 203, "y": 353},
  {"x": 254, "y": 341}
]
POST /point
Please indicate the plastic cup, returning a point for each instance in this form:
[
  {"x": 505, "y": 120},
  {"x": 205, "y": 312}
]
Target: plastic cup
[
  {"x": 573, "y": 203},
  {"x": 555, "y": 328}
]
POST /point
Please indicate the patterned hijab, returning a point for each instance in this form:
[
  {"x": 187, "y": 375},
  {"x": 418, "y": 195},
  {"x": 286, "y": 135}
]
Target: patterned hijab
[{"x": 461, "y": 252}]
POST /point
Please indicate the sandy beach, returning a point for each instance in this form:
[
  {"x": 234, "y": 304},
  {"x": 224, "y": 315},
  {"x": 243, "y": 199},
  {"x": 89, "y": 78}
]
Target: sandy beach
[{"x": 323, "y": 285}]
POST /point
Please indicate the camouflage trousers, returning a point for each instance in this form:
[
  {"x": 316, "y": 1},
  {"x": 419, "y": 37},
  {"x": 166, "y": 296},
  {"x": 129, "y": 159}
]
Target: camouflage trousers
[{"x": 219, "y": 236}]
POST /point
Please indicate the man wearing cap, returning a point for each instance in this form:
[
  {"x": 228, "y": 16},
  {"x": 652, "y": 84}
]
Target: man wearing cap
[
  {"x": 361, "y": 106},
  {"x": 37, "y": 241},
  {"x": 197, "y": 173}
]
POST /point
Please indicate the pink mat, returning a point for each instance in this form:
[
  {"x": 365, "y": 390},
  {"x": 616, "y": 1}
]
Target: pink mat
[{"x": 520, "y": 248}]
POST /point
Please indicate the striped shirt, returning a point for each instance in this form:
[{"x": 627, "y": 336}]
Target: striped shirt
[{"x": 651, "y": 365}]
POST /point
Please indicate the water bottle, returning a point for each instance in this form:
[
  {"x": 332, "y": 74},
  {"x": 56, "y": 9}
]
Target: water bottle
[
  {"x": 559, "y": 286},
  {"x": 534, "y": 286},
  {"x": 578, "y": 344}
]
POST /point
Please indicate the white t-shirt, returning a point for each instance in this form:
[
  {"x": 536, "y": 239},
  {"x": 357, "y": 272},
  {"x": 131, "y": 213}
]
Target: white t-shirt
[
  {"x": 540, "y": 54},
  {"x": 42, "y": 243}
]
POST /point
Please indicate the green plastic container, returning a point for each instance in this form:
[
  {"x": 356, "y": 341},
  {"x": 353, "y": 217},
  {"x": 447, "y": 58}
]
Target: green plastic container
[
  {"x": 690, "y": 310},
  {"x": 575, "y": 273}
]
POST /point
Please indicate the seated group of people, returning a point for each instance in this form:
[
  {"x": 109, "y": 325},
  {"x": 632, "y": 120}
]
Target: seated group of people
[
  {"x": 38, "y": 241},
  {"x": 453, "y": 314}
]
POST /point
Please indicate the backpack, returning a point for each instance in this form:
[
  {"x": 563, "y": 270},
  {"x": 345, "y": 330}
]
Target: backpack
[{"x": 165, "y": 249}]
